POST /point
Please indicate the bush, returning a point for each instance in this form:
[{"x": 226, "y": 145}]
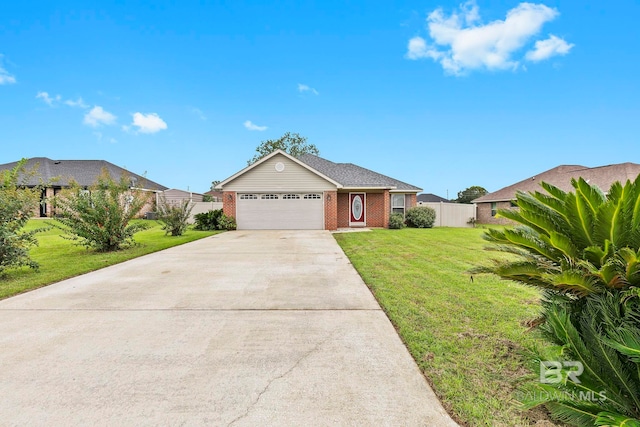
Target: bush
[
  {"x": 100, "y": 216},
  {"x": 582, "y": 249},
  {"x": 421, "y": 217},
  {"x": 175, "y": 217},
  {"x": 17, "y": 204},
  {"x": 396, "y": 221},
  {"x": 208, "y": 220},
  {"x": 227, "y": 223}
]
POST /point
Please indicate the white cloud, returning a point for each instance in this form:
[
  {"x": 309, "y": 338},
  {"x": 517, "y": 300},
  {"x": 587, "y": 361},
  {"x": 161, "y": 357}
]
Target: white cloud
[
  {"x": 461, "y": 43},
  {"x": 5, "y": 77},
  {"x": 77, "y": 103},
  {"x": 147, "y": 123},
  {"x": 48, "y": 99},
  {"x": 249, "y": 125},
  {"x": 97, "y": 117},
  {"x": 304, "y": 88},
  {"x": 545, "y": 49}
]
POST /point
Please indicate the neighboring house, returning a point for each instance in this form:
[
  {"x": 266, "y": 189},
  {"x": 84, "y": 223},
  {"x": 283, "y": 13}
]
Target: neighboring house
[
  {"x": 216, "y": 196},
  {"x": 602, "y": 176},
  {"x": 173, "y": 196},
  {"x": 430, "y": 198},
  {"x": 58, "y": 174},
  {"x": 283, "y": 192}
]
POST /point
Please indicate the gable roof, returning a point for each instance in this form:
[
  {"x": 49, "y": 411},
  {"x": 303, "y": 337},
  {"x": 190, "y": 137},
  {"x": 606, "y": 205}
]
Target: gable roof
[
  {"x": 430, "y": 198},
  {"x": 267, "y": 157},
  {"x": 84, "y": 172},
  {"x": 354, "y": 176},
  {"x": 560, "y": 176}
]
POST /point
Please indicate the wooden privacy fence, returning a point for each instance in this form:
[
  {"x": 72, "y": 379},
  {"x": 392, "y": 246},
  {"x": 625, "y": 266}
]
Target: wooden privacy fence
[{"x": 452, "y": 214}]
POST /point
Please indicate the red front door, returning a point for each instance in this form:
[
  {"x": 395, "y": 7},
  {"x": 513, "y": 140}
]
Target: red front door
[{"x": 357, "y": 214}]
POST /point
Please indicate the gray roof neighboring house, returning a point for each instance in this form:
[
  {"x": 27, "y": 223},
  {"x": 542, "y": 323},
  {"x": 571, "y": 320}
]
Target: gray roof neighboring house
[
  {"x": 60, "y": 173},
  {"x": 560, "y": 176},
  {"x": 430, "y": 198},
  {"x": 354, "y": 176}
]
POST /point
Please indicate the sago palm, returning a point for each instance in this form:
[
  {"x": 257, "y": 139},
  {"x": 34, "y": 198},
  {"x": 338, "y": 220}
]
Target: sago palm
[{"x": 582, "y": 248}]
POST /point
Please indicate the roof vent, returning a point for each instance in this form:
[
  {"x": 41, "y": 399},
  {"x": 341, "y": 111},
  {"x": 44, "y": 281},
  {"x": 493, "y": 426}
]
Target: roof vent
[{"x": 56, "y": 162}]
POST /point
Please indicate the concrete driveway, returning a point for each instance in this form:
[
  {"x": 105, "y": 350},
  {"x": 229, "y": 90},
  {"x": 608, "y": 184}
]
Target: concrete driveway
[{"x": 241, "y": 328}]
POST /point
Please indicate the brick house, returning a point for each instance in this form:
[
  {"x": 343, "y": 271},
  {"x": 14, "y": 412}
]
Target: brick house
[
  {"x": 58, "y": 174},
  {"x": 284, "y": 192},
  {"x": 560, "y": 176}
]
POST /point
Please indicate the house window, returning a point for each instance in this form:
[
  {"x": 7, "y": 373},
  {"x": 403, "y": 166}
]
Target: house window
[
  {"x": 248, "y": 197},
  {"x": 312, "y": 196},
  {"x": 494, "y": 208},
  {"x": 290, "y": 196},
  {"x": 269, "y": 196},
  {"x": 397, "y": 203}
]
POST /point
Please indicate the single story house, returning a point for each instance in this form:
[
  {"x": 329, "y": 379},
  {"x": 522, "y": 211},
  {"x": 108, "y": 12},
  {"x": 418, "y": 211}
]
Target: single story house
[
  {"x": 280, "y": 191},
  {"x": 174, "y": 196},
  {"x": 560, "y": 176},
  {"x": 213, "y": 195},
  {"x": 58, "y": 174}
]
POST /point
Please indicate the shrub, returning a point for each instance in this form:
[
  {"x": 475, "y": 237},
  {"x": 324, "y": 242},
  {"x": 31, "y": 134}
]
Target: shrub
[
  {"x": 100, "y": 216},
  {"x": 421, "y": 217},
  {"x": 582, "y": 249},
  {"x": 17, "y": 204},
  {"x": 208, "y": 220},
  {"x": 227, "y": 223},
  {"x": 396, "y": 221},
  {"x": 175, "y": 217}
]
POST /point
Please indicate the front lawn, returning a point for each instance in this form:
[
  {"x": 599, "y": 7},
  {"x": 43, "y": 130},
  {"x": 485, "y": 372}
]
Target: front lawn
[
  {"x": 60, "y": 258},
  {"x": 466, "y": 335}
]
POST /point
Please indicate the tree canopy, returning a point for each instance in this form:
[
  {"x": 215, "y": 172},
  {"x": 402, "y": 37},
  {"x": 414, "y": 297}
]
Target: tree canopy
[
  {"x": 471, "y": 193},
  {"x": 291, "y": 143}
]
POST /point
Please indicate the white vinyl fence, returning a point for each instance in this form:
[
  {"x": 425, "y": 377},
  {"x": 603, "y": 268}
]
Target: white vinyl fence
[
  {"x": 452, "y": 214},
  {"x": 201, "y": 207}
]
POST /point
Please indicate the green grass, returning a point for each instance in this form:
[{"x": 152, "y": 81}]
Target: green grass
[
  {"x": 467, "y": 336},
  {"x": 60, "y": 258}
]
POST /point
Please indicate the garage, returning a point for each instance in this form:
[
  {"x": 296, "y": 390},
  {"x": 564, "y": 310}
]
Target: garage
[{"x": 280, "y": 211}]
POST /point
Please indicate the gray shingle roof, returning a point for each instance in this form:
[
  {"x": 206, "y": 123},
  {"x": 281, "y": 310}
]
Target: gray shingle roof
[
  {"x": 560, "y": 176},
  {"x": 430, "y": 198},
  {"x": 84, "y": 172},
  {"x": 350, "y": 175}
]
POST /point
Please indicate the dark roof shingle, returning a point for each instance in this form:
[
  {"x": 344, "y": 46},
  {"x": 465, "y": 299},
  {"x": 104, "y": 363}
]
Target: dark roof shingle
[
  {"x": 350, "y": 175},
  {"x": 560, "y": 176},
  {"x": 84, "y": 172}
]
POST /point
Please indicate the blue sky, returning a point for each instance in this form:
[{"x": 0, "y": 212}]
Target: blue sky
[{"x": 441, "y": 94}]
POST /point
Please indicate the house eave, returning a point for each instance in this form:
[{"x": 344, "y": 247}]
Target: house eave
[{"x": 221, "y": 185}]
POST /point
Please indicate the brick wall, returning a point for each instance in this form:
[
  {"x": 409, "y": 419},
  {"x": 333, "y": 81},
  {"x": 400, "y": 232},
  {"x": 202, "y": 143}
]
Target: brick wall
[
  {"x": 330, "y": 210},
  {"x": 378, "y": 206},
  {"x": 484, "y": 213},
  {"x": 229, "y": 203},
  {"x": 378, "y": 209},
  {"x": 343, "y": 210},
  {"x": 413, "y": 201}
]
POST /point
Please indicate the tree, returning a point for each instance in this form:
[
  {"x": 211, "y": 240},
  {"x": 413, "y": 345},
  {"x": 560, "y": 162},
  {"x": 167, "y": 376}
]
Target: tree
[
  {"x": 100, "y": 216},
  {"x": 471, "y": 193},
  {"x": 17, "y": 204},
  {"x": 582, "y": 249},
  {"x": 175, "y": 217},
  {"x": 213, "y": 185},
  {"x": 291, "y": 143}
]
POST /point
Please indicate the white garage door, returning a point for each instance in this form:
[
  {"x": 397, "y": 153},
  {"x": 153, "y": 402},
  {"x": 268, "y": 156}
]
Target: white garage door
[{"x": 278, "y": 211}]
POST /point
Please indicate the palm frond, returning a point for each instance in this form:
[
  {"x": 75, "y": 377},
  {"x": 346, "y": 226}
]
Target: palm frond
[{"x": 610, "y": 419}]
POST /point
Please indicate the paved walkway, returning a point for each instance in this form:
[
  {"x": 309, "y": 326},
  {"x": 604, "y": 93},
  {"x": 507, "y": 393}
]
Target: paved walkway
[{"x": 241, "y": 328}]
